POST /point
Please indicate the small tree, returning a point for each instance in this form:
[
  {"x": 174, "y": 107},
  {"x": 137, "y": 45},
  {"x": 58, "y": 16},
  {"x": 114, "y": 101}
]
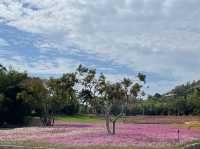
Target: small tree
[
  {"x": 87, "y": 84},
  {"x": 112, "y": 98},
  {"x": 118, "y": 95}
]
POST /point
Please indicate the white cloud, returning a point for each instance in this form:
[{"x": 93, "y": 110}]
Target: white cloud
[
  {"x": 16, "y": 62},
  {"x": 53, "y": 66},
  {"x": 41, "y": 65},
  {"x": 3, "y": 43},
  {"x": 154, "y": 36}
]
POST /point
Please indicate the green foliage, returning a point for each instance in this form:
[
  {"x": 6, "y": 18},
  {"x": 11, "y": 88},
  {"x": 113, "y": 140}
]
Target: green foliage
[
  {"x": 63, "y": 95},
  {"x": 110, "y": 98},
  {"x": 34, "y": 93},
  {"x": 21, "y": 95},
  {"x": 142, "y": 77},
  {"x": 182, "y": 100},
  {"x": 135, "y": 89},
  {"x": 29, "y": 95},
  {"x": 82, "y": 90},
  {"x": 12, "y": 110},
  {"x": 71, "y": 107},
  {"x": 87, "y": 83}
]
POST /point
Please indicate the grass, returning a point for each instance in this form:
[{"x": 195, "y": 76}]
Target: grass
[
  {"x": 190, "y": 125},
  {"x": 182, "y": 120},
  {"x": 31, "y": 144},
  {"x": 162, "y": 119},
  {"x": 79, "y": 118},
  {"x": 43, "y": 145}
]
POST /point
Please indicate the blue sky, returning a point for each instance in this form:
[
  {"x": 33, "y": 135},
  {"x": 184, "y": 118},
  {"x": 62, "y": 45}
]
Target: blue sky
[{"x": 119, "y": 38}]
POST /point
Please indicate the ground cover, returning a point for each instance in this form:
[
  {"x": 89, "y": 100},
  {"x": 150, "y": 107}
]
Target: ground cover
[
  {"x": 162, "y": 119},
  {"x": 83, "y": 131},
  {"x": 80, "y": 118}
]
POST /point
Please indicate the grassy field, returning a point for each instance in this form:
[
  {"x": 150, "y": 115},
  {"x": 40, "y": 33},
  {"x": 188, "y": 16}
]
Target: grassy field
[
  {"x": 190, "y": 122},
  {"x": 162, "y": 119},
  {"x": 181, "y": 121},
  {"x": 132, "y": 119},
  {"x": 80, "y": 118}
]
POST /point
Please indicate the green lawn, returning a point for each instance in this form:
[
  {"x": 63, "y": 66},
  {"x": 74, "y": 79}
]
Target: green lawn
[{"x": 80, "y": 118}]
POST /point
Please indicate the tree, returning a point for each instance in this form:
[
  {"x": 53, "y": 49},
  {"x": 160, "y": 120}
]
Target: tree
[
  {"x": 12, "y": 111},
  {"x": 62, "y": 93},
  {"x": 35, "y": 94},
  {"x": 49, "y": 96},
  {"x": 111, "y": 98},
  {"x": 87, "y": 85},
  {"x": 195, "y": 101},
  {"x": 118, "y": 94},
  {"x": 2, "y": 68}
]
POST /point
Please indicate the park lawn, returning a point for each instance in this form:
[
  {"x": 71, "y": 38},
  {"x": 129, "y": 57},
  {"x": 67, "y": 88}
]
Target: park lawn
[
  {"x": 184, "y": 121},
  {"x": 80, "y": 118}
]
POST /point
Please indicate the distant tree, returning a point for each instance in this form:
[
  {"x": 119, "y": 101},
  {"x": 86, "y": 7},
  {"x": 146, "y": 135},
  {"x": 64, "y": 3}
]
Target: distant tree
[
  {"x": 157, "y": 95},
  {"x": 87, "y": 84},
  {"x": 195, "y": 101},
  {"x": 2, "y": 68},
  {"x": 63, "y": 94}
]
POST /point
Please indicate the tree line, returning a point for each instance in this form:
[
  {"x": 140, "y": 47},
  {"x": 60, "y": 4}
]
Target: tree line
[
  {"x": 85, "y": 91},
  {"x": 182, "y": 100},
  {"x": 22, "y": 96},
  {"x": 79, "y": 91}
]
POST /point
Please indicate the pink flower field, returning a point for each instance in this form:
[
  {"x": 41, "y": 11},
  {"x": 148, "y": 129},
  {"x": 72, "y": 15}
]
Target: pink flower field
[{"x": 89, "y": 134}]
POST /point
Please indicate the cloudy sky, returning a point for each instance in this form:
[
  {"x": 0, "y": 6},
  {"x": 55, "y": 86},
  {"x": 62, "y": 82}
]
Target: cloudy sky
[{"x": 160, "y": 38}]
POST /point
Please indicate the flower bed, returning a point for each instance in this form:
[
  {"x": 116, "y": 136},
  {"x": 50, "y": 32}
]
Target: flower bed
[{"x": 79, "y": 134}]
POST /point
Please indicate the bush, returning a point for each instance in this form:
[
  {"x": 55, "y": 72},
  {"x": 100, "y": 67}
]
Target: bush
[{"x": 71, "y": 109}]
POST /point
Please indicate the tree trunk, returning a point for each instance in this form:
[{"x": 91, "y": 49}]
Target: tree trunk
[
  {"x": 107, "y": 117},
  {"x": 143, "y": 111},
  {"x": 116, "y": 118},
  {"x": 52, "y": 118},
  {"x": 114, "y": 122}
]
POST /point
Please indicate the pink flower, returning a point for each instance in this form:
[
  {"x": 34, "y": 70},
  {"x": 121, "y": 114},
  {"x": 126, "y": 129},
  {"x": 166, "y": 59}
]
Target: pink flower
[{"x": 79, "y": 134}]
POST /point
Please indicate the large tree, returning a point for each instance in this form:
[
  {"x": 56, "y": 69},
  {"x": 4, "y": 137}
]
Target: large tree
[
  {"x": 12, "y": 111},
  {"x": 46, "y": 97},
  {"x": 35, "y": 94}
]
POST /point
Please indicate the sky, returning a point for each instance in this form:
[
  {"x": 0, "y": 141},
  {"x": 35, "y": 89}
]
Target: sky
[{"x": 160, "y": 38}]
